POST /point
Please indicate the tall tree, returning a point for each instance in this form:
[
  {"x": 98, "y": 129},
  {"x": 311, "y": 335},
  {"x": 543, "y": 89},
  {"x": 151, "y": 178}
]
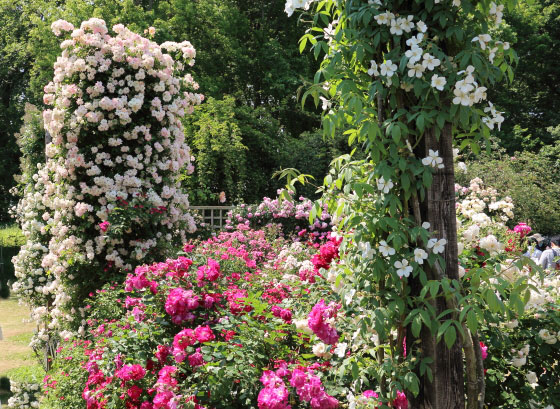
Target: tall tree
[
  {"x": 532, "y": 102},
  {"x": 15, "y": 62}
]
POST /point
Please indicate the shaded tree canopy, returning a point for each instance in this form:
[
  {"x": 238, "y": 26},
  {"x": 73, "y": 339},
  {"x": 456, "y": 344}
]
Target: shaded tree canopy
[{"x": 248, "y": 49}]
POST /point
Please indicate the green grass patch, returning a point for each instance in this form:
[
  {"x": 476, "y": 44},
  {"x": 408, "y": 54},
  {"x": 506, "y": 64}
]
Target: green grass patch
[
  {"x": 23, "y": 339},
  {"x": 11, "y": 236},
  {"x": 33, "y": 373}
]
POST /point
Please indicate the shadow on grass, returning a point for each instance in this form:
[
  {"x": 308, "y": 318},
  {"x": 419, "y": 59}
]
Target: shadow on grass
[{"x": 4, "y": 390}]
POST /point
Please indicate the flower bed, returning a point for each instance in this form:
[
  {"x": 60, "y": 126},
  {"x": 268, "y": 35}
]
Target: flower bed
[
  {"x": 202, "y": 329},
  {"x": 247, "y": 319}
]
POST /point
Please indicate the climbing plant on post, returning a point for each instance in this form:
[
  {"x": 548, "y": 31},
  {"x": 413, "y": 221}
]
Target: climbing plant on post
[
  {"x": 405, "y": 80},
  {"x": 108, "y": 197}
]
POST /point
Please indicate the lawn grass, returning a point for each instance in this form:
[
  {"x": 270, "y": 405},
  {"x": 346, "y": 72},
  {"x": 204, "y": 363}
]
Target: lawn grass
[
  {"x": 17, "y": 331},
  {"x": 11, "y": 236},
  {"x": 16, "y": 357}
]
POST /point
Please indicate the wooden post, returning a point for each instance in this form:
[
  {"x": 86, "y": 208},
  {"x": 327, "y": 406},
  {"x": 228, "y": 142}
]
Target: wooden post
[{"x": 438, "y": 208}]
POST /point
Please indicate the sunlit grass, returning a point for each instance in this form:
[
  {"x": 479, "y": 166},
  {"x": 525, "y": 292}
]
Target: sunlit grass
[{"x": 11, "y": 236}]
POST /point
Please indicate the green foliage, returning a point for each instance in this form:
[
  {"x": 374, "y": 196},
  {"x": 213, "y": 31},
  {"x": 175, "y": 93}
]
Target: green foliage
[
  {"x": 238, "y": 148},
  {"x": 31, "y": 142},
  {"x": 508, "y": 384},
  {"x": 531, "y": 102},
  {"x": 11, "y": 236},
  {"x": 15, "y": 61},
  {"x": 219, "y": 133},
  {"x": 26, "y": 374},
  {"x": 532, "y": 180},
  {"x": 65, "y": 388}
]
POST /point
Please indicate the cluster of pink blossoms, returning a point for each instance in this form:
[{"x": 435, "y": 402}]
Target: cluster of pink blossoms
[
  {"x": 180, "y": 303},
  {"x": 522, "y": 229},
  {"x": 308, "y": 387},
  {"x": 116, "y": 103},
  {"x": 483, "y": 350},
  {"x": 96, "y": 382},
  {"x": 202, "y": 301},
  {"x": 165, "y": 387},
  {"x": 285, "y": 213},
  {"x": 210, "y": 272},
  {"x": 188, "y": 337},
  {"x": 274, "y": 395},
  {"x": 327, "y": 253},
  {"x": 320, "y": 319},
  {"x": 283, "y": 313}
]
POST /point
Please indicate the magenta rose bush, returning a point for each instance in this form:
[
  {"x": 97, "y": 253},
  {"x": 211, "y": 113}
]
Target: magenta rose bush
[{"x": 239, "y": 320}]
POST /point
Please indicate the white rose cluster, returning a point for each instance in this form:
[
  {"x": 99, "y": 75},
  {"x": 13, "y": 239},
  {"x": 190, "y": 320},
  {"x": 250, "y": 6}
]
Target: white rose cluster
[
  {"x": 117, "y": 141},
  {"x": 25, "y": 395},
  {"x": 549, "y": 337},
  {"x": 476, "y": 199},
  {"x": 520, "y": 356}
]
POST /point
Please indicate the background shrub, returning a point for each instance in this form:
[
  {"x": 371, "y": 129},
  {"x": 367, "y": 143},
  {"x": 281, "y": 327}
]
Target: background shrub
[{"x": 532, "y": 180}]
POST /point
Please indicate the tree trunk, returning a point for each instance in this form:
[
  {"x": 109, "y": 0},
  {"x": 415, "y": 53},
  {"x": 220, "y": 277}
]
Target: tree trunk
[{"x": 438, "y": 208}]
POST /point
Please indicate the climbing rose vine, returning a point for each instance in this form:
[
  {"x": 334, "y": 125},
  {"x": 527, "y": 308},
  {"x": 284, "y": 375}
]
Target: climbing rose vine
[{"x": 107, "y": 197}]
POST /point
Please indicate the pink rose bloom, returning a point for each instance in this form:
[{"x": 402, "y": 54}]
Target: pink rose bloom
[
  {"x": 370, "y": 394},
  {"x": 522, "y": 229},
  {"x": 134, "y": 392},
  {"x": 204, "y": 334},
  {"x": 401, "y": 402},
  {"x": 162, "y": 353},
  {"x": 298, "y": 378},
  {"x": 131, "y": 372},
  {"x": 317, "y": 321},
  {"x": 165, "y": 376},
  {"x": 196, "y": 359},
  {"x": 483, "y": 350},
  {"x": 104, "y": 226}
]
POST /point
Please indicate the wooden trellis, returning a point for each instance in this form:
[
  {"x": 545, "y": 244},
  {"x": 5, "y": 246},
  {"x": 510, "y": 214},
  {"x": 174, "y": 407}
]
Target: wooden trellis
[{"x": 215, "y": 216}]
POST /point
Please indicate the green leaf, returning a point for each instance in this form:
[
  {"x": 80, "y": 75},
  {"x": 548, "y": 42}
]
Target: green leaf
[
  {"x": 450, "y": 336},
  {"x": 472, "y": 321},
  {"x": 510, "y": 74},
  {"x": 427, "y": 178},
  {"x": 412, "y": 383},
  {"x": 416, "y": 326},
  {"x": 396, "y": 133},
  {"x": 355, "y": 371},
  {"x": 405, "y": 181},
  {"x": 493, "y": 301},
  {"x": 420, "y": 122},
  {"x": 302, "y": 44}
]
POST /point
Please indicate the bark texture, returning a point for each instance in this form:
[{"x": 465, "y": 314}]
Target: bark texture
[{"x": 438, "y": 208}]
